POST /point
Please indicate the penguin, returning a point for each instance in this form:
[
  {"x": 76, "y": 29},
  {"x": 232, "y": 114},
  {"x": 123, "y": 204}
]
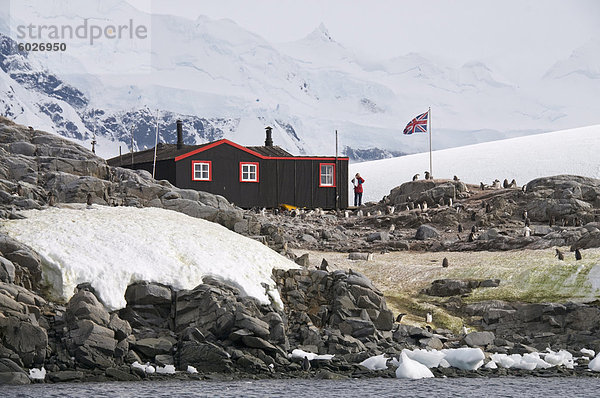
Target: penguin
[
  {"x": 473, "y": 228},
  {"x": 89, "y": 199},
  {"x": 481, "y": 186},
  {"x": 51, "y": 199},
  {"x": 552, "y": 221},
  {"x": 464, "y": 330},
  {"x": 399, "y": 317},
  {"x": 416, "y": 177},
  {"x": 488, "y": 208},
  {"x": 427, "y": 175},
  {"x": 460, "y": 228},
  {"x": 472, "y": 237},
  {"x": 577, "y": 255},
  {"x": 392, "y": 228},
  {"x": 526, "y": 231},
  {"x": 429, "y": 318},
  {"x": 513, "y": 184},
  {"x": 527, "y": 222},
  {"x": 525, "y": 215},
  {"x": 473, "y": 216},
  {"x": 455, "y": 178},
  {"x": 324, "y": 266},
  {"x": 505, "y": 184},
  {"x": 560, "y": 255},
  {"x": 305, "y": 364},
  {"x": 424, "y": 206},
  {"x": 445, "y": 262},
  {"x": 20, "y": 191}
]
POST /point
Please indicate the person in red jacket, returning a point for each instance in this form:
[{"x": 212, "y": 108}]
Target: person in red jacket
[{"x": 357, "y": 181}]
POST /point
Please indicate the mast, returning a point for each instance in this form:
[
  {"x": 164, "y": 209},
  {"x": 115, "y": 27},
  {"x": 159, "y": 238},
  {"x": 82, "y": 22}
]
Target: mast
[
  {"x": 155, "y": 146},
  {"x": 430, "y": 157}
]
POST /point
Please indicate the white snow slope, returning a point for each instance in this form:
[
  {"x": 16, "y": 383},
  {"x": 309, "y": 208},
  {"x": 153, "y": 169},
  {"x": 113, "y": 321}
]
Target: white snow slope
[
  {"x": 574, "y": 151},
  {"x": 111, "y": 247}
]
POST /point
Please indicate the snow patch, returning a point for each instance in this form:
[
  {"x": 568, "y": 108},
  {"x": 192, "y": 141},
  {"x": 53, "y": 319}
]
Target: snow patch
[{"x": 111, "y": 247}]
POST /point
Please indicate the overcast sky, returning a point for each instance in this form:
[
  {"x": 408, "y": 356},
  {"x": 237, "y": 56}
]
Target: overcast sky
[{"x": 517, "y": 36}]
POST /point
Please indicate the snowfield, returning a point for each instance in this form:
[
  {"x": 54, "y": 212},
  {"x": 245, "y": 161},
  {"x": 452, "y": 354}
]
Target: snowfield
[
  {"x": 111, "y": 247},
  {"x": 574, "y": 151}
]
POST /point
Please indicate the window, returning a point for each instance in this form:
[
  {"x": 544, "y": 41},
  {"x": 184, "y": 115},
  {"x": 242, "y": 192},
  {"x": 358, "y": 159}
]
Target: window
[
  {"x": 201, "y": 170},
  {"x": 327, "y": 175},
  {"x": 248, "y": 172}
]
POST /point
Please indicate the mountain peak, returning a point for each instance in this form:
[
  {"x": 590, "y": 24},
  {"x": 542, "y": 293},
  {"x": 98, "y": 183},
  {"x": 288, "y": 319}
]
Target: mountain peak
[{"x": 320, "y": 33}]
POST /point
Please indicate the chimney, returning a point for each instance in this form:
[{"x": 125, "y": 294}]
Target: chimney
[
  {"x": 179, "y": 134},
  {"x": 269, "y": 140}
]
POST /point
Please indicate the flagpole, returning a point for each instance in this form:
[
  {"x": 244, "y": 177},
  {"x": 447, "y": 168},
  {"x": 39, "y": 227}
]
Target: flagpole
[{"x": 430, "y": 157}]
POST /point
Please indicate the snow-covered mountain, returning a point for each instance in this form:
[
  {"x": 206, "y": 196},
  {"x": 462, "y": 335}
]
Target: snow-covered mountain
[
  {"x": 573, "y": 151},
  {"x": 224, "y": 81}
]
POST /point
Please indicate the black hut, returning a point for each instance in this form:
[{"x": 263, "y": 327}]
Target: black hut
[{"x": 264, "y": 176}]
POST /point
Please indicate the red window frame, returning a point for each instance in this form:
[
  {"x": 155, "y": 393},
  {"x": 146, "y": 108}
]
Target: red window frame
[
  {"x": 194, "y": 163},
  {"x": 323, "y": 185},
  {"x": 256, "y": 164}
]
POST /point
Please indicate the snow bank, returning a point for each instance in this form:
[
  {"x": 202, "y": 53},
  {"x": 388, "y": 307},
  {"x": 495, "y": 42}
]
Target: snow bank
[
  {"x": 410, "y": 369},
  {"x": 191, "y": 369},
  {"x": 300, "y": 354},
  {"x": 378, "y": 362},
  {"x": 111, "y": 247},
  {"x": 465, "y": 358},
  {"x": 573, "y": 151}
]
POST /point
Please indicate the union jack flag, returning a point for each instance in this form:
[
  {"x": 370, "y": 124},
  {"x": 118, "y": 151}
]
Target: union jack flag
[{"x": 418, "y": 124}]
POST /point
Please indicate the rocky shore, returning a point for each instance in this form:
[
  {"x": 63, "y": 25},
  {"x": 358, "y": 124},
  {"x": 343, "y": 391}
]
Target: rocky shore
[{"x": 214, "y": 331}]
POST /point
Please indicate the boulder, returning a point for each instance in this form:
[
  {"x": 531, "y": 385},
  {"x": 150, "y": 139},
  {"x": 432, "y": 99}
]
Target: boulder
[
  {"x": 205, "y": 357},
  {"x": 11, "y": 373},
  {"x": 426, "y": 232},
  {"x": 28, "y": 341},
  {"x": 151, "y": 347},
  {"x": 479, "y": 339},
  {"x": 85, "y": 305},
  {"x": 148, "y": 293}
]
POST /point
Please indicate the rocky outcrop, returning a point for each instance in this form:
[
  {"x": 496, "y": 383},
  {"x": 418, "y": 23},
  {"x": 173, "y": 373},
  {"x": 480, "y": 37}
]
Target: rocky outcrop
[
  {"x": 426, "y": 191},
  {"x": 566, "y": 197},
  {"x": 335, "y": 313},
  {"x": 539, "y": 325},
  {"x": 38, "y": 169},
  {"x": 457, "y": 287}
]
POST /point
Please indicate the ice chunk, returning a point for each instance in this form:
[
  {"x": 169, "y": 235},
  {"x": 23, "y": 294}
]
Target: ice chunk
[
  {"x": 410, "y": 369},
  {"x": 431, "y": 359},
  {"x": 37, "y": 374},
  {"x": 378, "y": 362},
  {"x": 560, "y": 358},
  {"x": 300, "y": 354},
  {"x": 465, "y": 358},
  {"x": 491, "y": 365},
  {"x": 191, "y": 369},
  {"x": 588, "y": 352},
  {"x": 595, "y": 364},
  {"x": 167, "y": 369}
]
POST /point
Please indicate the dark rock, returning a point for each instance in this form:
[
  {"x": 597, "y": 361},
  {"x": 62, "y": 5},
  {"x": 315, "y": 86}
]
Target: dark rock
[
  {"x": 206, "y": 357},
  {"x": 85, "y": 305},
  {"x": 148, "y": 293},
  {"x": 150, "y": 347},
  {"x": 120, "y": 375},
  {"x": 14, "y": 378},
  {"x": 65, "y": 376},
  {"x": 25, "y": 339},
  {"x": 479, "y": 339},
  {"x": 426, "y": 232}
]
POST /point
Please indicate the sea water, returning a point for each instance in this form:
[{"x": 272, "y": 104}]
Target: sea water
[{"x": 517, "y": 387}]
